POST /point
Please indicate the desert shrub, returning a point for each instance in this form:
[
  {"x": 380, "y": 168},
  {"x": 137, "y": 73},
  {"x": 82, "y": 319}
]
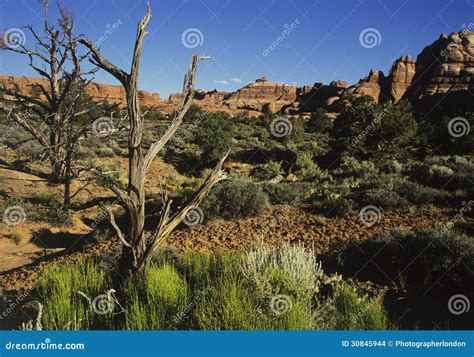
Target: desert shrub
[
  {"x": 17, "y": 236},
  {"x": 108, "y": 176},
  {"x": 67, "y": 293},
  {"x": 351, "y": 167},
  {"x": 390, "y": 191},
  {"x": 45, "y": 198},
  {"x": 235, "y": 199},
  {"x": 434, "y": 175},
  {"x": 307, "y": 169},
  {"x": 288, "y": 193},
  {"x": 356, "y": 312},
  {"x": 290, "y": 270},
  {"x": 426, "y": 258},
  {"x": 214, "y": 136},
  {"x": 416, "y": 193},
  {"x": 270, "y": 289},
  {"x": 382, "y": 198},
  {"x": 332, "y": 199},
  {"x": 267, "y": 171},
  {"x": 448, "y": 172},
  {"x": 392, "y": 167},
  {"x": 155, "y": 300},
  {"x": 105, "y": 152},
  {"x": 319, "y": 122}
]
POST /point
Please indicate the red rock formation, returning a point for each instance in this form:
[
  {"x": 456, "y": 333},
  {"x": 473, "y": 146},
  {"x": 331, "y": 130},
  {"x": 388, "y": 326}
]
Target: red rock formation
[
  {"x": 383, "y": 88},
  {"x": 114, "y": 94},
  {"x": 445, "y": 71}
]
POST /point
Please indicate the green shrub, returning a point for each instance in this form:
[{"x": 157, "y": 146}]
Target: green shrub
[
  {"x": 45, "y": 198},
  {"x": 392, "y": 167},
  {"x": 17, "y": 236},
  {"x": 214, "y": 136},
  {"x": 332, "y": 199},
  {"x": 235, "y": 199},
  {"x": 288, "y": 193},
  {"x": 351, "y": 167},
  {"x": 358, "y": 312},
  {"x": 108, "y": 176},
  {"x": 416, "y": 193},
  {"x": 382, "y": 198},
  {"x": 60, "y": 288},
  {"x": 154, "y": 301},
  {"x": 105, "y": 152},
  {"x": 437, "y": 258},
  {"x": 267, "y": 171},
  {"x": 305, "y": 168}
]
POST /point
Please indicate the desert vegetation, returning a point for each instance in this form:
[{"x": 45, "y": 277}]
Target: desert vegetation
[{"x": 354, "y": 216}]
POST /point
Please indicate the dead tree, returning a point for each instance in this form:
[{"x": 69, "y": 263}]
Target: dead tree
[
  {"x": 138, "y": 245},
  {"x": 57, "y": 61}
]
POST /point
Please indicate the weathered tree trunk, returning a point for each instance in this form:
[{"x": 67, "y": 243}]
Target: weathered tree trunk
[{"x": 139, "y": 246}]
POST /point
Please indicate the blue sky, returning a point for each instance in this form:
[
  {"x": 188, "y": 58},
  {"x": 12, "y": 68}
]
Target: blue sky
[{"x": 322, "y": 45}]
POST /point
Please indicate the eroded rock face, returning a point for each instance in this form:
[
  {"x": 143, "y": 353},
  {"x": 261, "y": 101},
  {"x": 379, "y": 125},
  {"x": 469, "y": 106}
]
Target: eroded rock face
[
  {"x": 400, "y": 78},
  {"x": 387, "y": 88},
  {"x": 373, "y": 85},
  {"x": 445, "y": 70},
  {"x": 114, "y": 94},
  {"x": 260, "y": 94}
]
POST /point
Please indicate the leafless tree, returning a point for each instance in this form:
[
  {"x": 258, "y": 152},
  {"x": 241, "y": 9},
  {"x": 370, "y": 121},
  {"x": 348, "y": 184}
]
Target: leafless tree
[
  {"x": 138, "y": 245},
  {"x": 59, "y": 112}
]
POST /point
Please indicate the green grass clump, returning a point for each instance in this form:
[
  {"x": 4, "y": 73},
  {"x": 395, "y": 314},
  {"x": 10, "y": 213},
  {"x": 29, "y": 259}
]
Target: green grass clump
[
  {"x": 155, "y": 299},
  {"x": 358, "y": 312},
  {"x": 45, "y": 198},
  {"x": 60, "y": 288},
  {"x": 17, "y": 236}
]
